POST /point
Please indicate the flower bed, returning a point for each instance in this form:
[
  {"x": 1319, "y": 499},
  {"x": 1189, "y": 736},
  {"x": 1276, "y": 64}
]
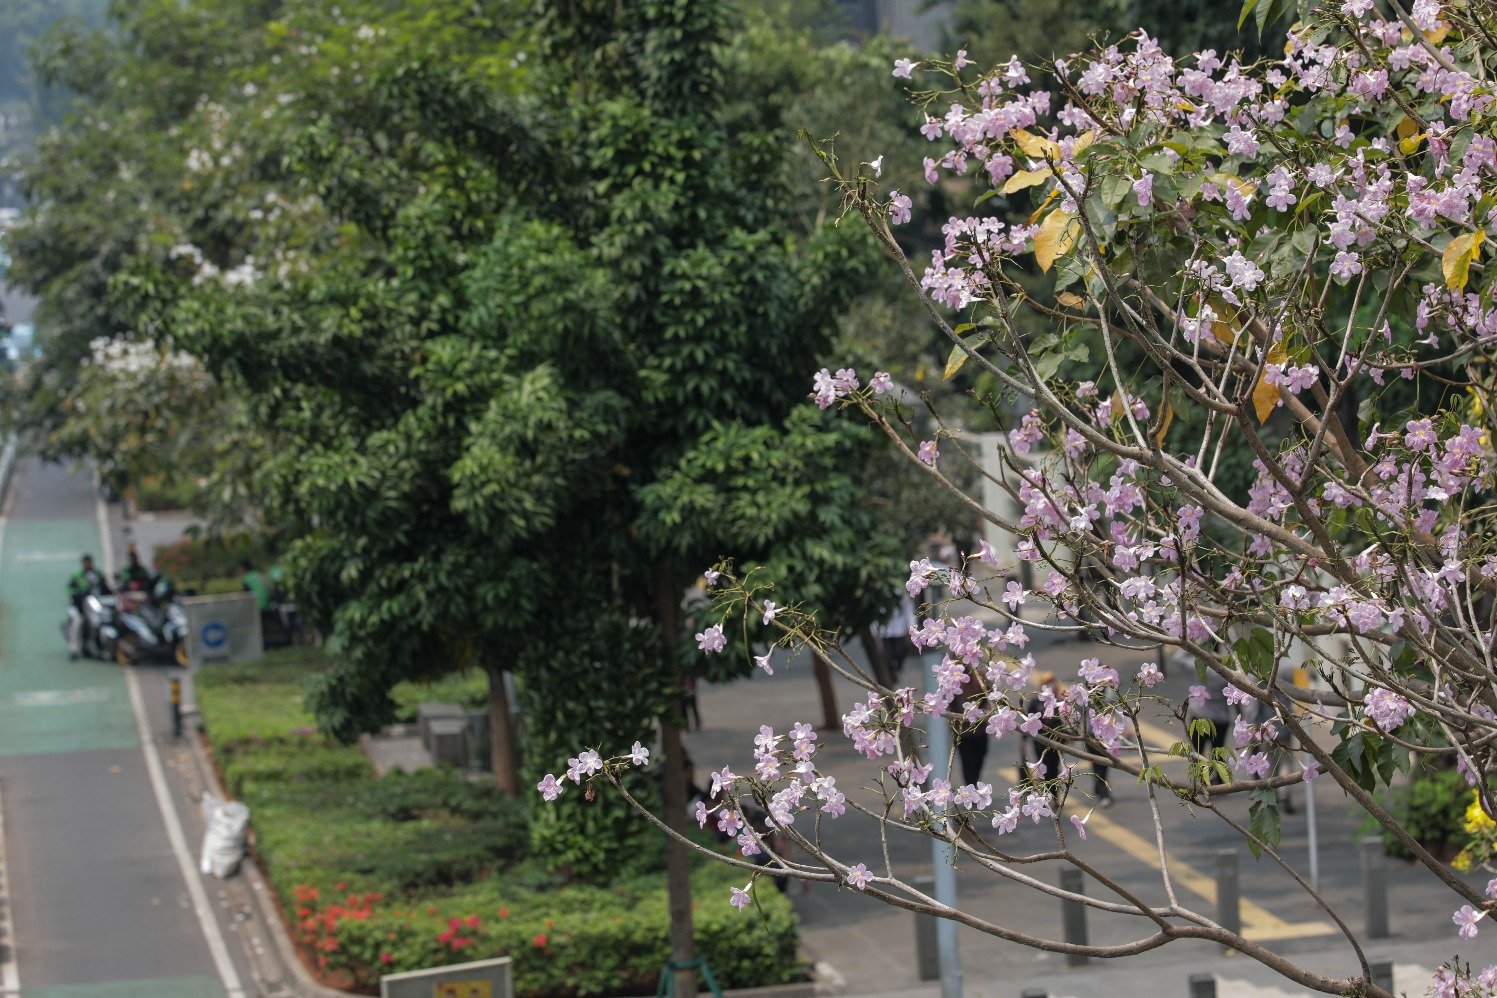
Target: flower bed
[{"x": 381, "y": 875}]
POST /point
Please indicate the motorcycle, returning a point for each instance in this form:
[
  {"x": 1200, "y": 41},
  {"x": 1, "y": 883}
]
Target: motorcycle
[{"x": 132, "y": 626}]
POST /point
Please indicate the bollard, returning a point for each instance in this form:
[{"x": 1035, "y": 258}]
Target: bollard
[
  {"x": 927, "y": 955},
  {"x": 1073, "y": 914},
  {"x": 176, "y": 700},
  {"x": 1375, "y": 885},
  {"x": 1202, "y": 986},
  {"x": 1382, "y": 974},
  {"x": 1228, "y": 893},
  {"x": 1034, "y": 993}
]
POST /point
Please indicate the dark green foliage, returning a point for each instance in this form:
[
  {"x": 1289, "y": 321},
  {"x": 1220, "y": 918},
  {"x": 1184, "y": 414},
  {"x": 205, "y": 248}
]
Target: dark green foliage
[{"x": 1432, "y": 808}]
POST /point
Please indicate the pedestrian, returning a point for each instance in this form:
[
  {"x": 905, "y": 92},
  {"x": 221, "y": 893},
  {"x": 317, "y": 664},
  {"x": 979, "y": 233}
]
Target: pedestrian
[
  {"x": 1101, "y": 789},
  {"x": 255, "y": 582},
  {"x": 971, "y": 747},
  {"x": 894, "y": 633},
  {"x": 1281, "y": 749},
  {"x": 87, "y": 581},
  {"x": 1214, "y": 709},
  {"x": 1045, "y": 702}
]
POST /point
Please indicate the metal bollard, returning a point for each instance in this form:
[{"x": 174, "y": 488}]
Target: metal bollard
[
  {"x": 1073, "y": 914},
  {"x": 1382, "y": 973},
  {"x": 1375, "y": 885},
  {"x": 1202, "y": 986},
  {"x": 176, "y": 703},
  {"x": 1228, "y": 892},
  {"x": 927, "y": 957}
]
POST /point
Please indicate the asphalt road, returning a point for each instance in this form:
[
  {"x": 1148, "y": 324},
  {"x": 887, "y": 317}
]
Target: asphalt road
[{"x": 95, "y": 899}]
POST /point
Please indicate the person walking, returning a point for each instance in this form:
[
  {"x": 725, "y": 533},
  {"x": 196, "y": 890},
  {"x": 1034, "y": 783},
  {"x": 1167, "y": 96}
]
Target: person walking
[
  {"x": 1047, "y": 757},
  {"x": 1215, "y": 709}
]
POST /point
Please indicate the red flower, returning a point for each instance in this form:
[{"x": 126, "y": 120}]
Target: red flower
[
  {"x": 539, "y": 941},
  {"x": 387, "y": 957},
  {"x": 446, "y": 937},
  {"x": 454, "y": 924},
  {"x": 340, "y": 887},
  {"x": 503, "y": 912},
  {"x": 471, "y": 921}
]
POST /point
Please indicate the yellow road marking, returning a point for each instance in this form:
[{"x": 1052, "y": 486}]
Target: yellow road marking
[{"x": 1258, "y": 923}]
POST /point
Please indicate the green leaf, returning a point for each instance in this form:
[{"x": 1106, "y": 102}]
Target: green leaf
[
  {"x": 1264, "y": 821},
  {"x": 1247, "y": 10}
]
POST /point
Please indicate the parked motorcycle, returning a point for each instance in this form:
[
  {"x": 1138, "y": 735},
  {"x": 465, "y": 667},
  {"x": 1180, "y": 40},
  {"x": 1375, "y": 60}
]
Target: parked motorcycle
[{"x": 133, "y": 626}]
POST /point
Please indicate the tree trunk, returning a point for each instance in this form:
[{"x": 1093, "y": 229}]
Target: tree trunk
[
  {"x": 883, "y": 671},
  {"x": 673, "y": 794},
  {"x": 502, "y": 752},
  {"x": 831, "y": 720}
]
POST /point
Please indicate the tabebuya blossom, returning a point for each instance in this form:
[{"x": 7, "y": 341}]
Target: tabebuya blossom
[
  {"x": 712, "y": 640},
  {"x": 741, "y": 898},
  {"x": 858, "y": 876},
  {"x": 550, "y": 789},
  {"x": 1465, "y": 919},
  {"x": 881, "y": 382},
  {"x": 903, "y": 68},
  {"x": 900, "y": 207},
  {"x": 762, "y": 661},
  {"x": 770, "y": 610},
  {"x": 639, "y": 755},
  {"x": 928, "y": 453}
]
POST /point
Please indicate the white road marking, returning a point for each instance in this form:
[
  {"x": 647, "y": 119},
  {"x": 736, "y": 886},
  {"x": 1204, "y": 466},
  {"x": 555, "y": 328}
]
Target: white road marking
[
  {"x": 27, "y": 557},
  {"x": 63, "y": 698},
  {"x": 174, "y": 833},
  {"x": 10, "y": 974}
]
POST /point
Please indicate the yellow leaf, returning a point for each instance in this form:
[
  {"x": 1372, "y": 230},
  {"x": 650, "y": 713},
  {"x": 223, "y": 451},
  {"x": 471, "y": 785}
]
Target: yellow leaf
[
  {"x": 1083, "y": 140},
  {"x": 1222, "y": 331},
  {"x": 1035, "y": 146},
  {"x": 1026, "y": 178},
  {"x": 1232, "y": 180},
  {"x": 1166, "y": 417},
  {"x": 1410, "y": 145},
  {"x": 1069, "y": 300},
  {"x": 1438, "y": 35},
  {"x": 1266, "y": 396},
  {"x": 1049, "y": 200},
  {"x": 1455, "y": 262},
  {"x": 1056, "y": 235},
  {"x": 1406, "y": 128},
  {"x": 954, "y": 362}
]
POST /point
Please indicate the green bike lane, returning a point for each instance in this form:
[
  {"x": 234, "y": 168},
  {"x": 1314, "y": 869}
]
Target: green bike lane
[{"x": 95, "y": 900}]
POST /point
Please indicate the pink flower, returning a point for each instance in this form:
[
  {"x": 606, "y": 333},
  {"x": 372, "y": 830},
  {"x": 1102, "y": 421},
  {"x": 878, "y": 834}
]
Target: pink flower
[
  {"x": 1080, "y": 824},
  {"x": 549, "y": 788},
  {"x": 928, "y": 453},
  {"x": 899, "y": 207},
  {"x": 1466, "y": 919},
  {"x": 903, "y": 68},
  {"x": 741, "y": 898},
  {"x": 712, "y": 640},
  {"x": 857, "y": 876},
  {"x": 1143, "y": 188},
  {"x": 881, "y": 382}
]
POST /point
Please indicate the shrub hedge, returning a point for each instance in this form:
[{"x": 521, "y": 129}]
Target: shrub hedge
[{"x": 408, "y": 871}]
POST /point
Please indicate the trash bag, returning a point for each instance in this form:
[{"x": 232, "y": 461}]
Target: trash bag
[{"x": 223, "y": 842}]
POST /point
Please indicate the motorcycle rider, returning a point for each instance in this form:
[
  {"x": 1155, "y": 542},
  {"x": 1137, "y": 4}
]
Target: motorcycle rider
[
  {"x": 256, "y": 582},
  {"x": 87, "y": 581},
  {"x": 135, "y": 576}
]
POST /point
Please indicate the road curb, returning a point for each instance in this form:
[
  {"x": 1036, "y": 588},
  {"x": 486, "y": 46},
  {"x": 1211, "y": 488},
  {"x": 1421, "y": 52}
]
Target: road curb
[{"x": 264, "y": 898}]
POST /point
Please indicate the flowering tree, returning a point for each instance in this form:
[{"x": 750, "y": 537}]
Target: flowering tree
[{"x": 1285, "y": 258}]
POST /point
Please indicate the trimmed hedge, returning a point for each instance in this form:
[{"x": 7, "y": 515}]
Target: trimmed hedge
[{"x": 381, "y": 875}]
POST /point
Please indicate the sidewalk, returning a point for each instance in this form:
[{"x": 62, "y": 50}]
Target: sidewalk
[{"x": 872, "y": 946}]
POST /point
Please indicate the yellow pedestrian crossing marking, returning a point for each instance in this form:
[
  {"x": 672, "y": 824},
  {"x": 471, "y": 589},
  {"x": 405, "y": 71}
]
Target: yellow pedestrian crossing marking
[{"x": 1258, "y": 923}]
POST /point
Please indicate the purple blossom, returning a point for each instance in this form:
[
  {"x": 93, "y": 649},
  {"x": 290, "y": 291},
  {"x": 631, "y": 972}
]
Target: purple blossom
[
  {"x": 712, "y": 639},
  {"x": 1466, "y": 919},
  {"x": 549, "y": 788},
  {"x": 1149, "y": 675},
  {"x": 1388, "y": 710},
  {"x": 1143, "y": 189},
  {"x": 858, "y": 876},
  {"x": 928, "y": 453},
  {"x": 900, "y": 207},
  {"x": 881, "y": 382},
  {"x": 1080, "y": 824},
  {"x": 903, "y": 68},
  {"x": 741, "y": 898}
]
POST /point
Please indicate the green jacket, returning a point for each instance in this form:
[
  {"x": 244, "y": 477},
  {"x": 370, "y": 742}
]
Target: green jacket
[{"x": 256, "y": 582}]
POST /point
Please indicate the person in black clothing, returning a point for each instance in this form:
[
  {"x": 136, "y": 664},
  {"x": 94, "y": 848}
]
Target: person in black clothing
[{"x": 1048, "y": 756}]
